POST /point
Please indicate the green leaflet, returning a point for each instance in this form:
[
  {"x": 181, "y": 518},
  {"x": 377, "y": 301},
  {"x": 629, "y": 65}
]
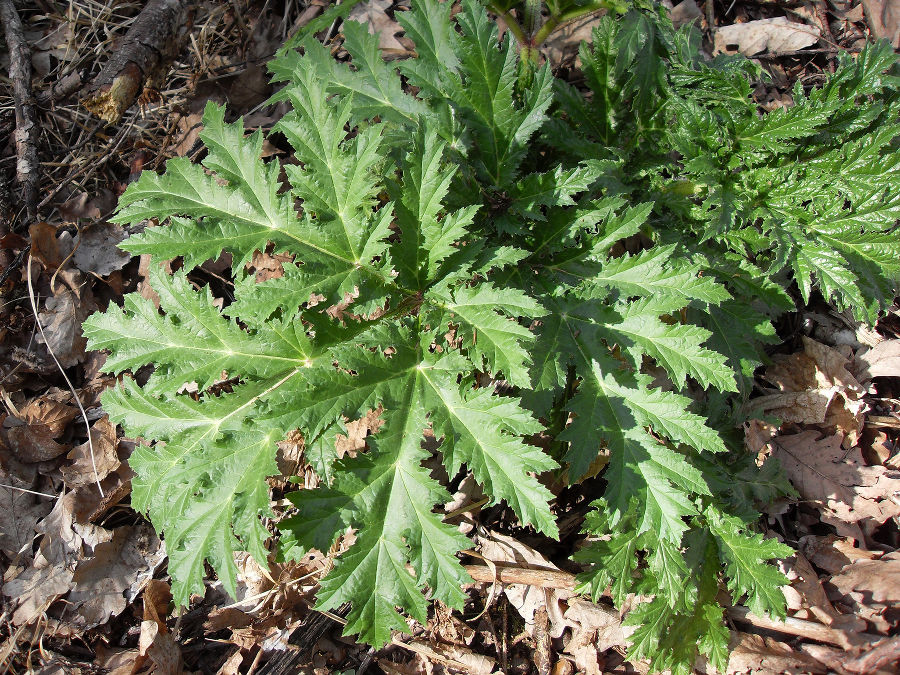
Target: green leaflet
[{"x": 608, "y": 257}]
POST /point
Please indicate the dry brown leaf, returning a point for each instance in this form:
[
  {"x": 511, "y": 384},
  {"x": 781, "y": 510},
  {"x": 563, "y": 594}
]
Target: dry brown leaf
[
  {"x": 81, "y": 470},
  {"x": 34, "y": 443},
  {"x": 684, "y": 12},
  {"x": 850, "y": 494},
  {"x": 373, "y": 13},
  {"x": 755, "y": 654},
  {"x": 269, "y": 266},
  {"x": 595, "y": 629},
  {"x": 501, "y": 548},
  {"x": 61, "y": 544},
  {"x": 121, "y": 565},
  {"x": 98, "y": 251},
  {"x": 355, "y": 439},
  {"x": 51, "y": 410},
  {"x": 45, "y": 246},
  {"x": 832, "y": 553},
  {"x": 871, "y": 588},
  {"x": 564, "y": 42},
  {"x": 35, "y": 589},
  {"x": 883, "y": 360},
  {"x": 189, "y": 127},
  {"x": 884, "y": 19},
  {"x": 19, "y": 513},
  {"x": 61, "y": 319},
  {"x": 232, "y": 665},
  {"x": 775, "y": 35},
  {"x": 815, "y": 387},
  {"x": 807, "y": 599}
]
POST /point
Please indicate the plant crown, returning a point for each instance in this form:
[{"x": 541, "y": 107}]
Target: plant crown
[{"x": 615, "y": 258}]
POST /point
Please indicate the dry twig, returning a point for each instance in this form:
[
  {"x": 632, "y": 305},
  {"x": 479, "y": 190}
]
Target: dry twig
[
  {"x": 27, "y": 166},
  {"x": 149, "y": 45}
]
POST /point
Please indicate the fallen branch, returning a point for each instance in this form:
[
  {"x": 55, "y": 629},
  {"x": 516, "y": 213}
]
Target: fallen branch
[
  {"x": 27, "y": 165},
  {"x": 810, "y": 630},
  {"x": 522, "y": 575},
  {"x": 141, "y": 60}
]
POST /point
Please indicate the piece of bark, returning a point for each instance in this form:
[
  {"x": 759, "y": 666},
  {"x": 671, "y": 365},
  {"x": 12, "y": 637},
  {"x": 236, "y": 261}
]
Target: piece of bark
[
  {"x": 521, "y": 575},
  {"x": 141, "y": 60},
  {"x": 27, "y": 165}
]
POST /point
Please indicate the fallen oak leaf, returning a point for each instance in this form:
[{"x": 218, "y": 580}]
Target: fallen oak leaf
[
  {"x": 851, "y": 494},
  {"x": 92, "y": 465}
]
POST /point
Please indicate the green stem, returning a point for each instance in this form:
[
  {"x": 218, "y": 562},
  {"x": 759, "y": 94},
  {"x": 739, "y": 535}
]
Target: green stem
[
  {"x": 510, "y": 22},
  {"x": 555, "y": 21}
]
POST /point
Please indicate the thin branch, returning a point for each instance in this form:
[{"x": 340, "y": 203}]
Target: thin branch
[{"x": 27, "y": 164}]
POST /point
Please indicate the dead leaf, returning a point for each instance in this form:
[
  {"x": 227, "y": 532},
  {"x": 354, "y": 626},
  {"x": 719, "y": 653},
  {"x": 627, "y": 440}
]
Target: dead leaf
[
  {"x": 232, "y": 665},
  {"x": 684, "y": 13},
  {"x": 114, "y": 575},
  {"x": 815, "y": 387},
  {"x": 189, "y": 128},
  {"x": 883, "y": 360},
  {"x": 773, "y": 35},
  {"x": 832, "y": 553},
  {"x": 61, "y": 544},
  {"x": 755, "y": 654},
  {"x": 373, "y": 13},
  {"x": 871, "y": 588},
  {"x": 595, "y": 629},
  {"x": 82, "y": 470},
  {"x": 51, "y": 410},
  {"x": 355, "y": 439},
  {"x": 850, "y": 494},
  {"x": 526, "y": 599},
  {"x": 564, "y": 42},
  {"x": 19, "y": 513},
  {"x": 807, "y": 599},
  {"x": 35, "y": 589},
  {"x": 78, "y": 207},
  {"x": 61, "y": 319},
  {"x": 98, "y": 251},
  {"x": 45, "y": 246},
  {"x": 884, "y": 19},
  {"x": 268, "y": 266},
  {"x": 34, "y": 443}
]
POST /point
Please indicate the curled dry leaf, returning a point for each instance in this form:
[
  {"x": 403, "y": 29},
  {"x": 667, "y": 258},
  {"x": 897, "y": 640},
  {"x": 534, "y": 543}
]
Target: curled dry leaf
[
  {"x": 773, "y": 35},
  {"x": 853, "y": 497},
  {"x": 34, "y": 443},
  {"x": 81, "y": 470},
  {"x": 61, "y": 319},
  {"x": 871, "y": 588},
  {"x": 51, "y": 410},
  {"x": 45, "y": 246},
  {"x": 832, "y": 553},
  {"x": 595, "y": 628},
  {"x": 815, "y": 387}
]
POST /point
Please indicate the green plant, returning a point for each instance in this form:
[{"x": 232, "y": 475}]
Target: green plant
[
  {"x": 531, "y": 21},
  {"x": 568, "y": 245}
]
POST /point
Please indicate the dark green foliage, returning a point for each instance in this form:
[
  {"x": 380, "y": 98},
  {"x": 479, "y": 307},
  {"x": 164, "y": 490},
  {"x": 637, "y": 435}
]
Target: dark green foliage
[{"x": 610, "y": 257}]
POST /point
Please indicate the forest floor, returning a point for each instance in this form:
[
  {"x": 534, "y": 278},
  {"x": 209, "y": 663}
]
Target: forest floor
[{"x": 84, "y": 577}]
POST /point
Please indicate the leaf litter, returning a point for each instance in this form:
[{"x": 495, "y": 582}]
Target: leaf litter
[{"x": 74, "y": 561}]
